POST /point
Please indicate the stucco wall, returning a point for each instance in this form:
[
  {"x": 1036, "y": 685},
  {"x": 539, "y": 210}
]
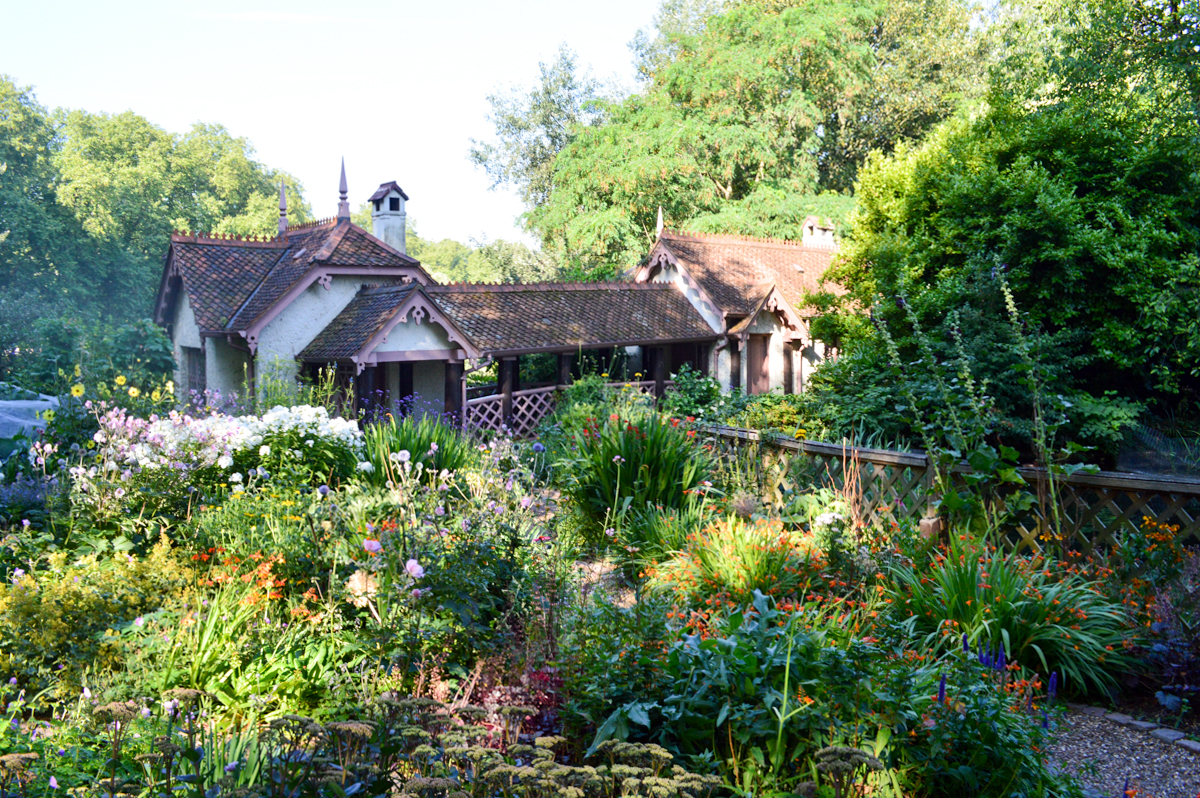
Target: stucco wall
[
  {"x": 186, "y": 333},
  {"x": 297, "y": 324},
  {"x": 225, "y": 367},
  {"x": 410, "y": 336},
  {"x": 429, "y": 386}
]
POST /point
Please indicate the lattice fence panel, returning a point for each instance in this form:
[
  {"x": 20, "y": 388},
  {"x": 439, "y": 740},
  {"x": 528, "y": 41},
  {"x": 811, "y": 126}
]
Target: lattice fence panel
[
  {"x": 530, "y": 408},
  {"x": 486, "y": 413},
  {"x": 1095, "y": 508}
]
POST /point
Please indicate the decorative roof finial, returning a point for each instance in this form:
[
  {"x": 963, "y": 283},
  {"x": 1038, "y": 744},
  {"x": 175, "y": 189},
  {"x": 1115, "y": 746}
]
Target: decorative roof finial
[
  {"x": 283, "y": 222},
  {"x": 343, "y": 204},
  {"x": 660, "y": 220}
]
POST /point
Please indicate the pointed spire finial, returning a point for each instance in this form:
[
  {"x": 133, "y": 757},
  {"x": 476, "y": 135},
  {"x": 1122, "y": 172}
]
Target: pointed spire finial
[
  {"x": 660, "y": 220},
  {"x": 343, "y": 204},
  {"x": 283, "y": 222}
]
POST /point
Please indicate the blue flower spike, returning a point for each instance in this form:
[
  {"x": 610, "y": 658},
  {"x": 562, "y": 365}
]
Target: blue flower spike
[
  {"x": 1053, "y": 685},
  {"x": 942, "y": 690}
]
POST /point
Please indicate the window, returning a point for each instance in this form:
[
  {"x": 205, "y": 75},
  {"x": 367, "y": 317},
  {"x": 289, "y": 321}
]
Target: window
[
  {"x": 393, "y": 203},
  {"x": 193, "y": 362}
]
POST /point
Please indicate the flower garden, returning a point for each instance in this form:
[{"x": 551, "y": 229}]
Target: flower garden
[{"x": 287, "y": 602}]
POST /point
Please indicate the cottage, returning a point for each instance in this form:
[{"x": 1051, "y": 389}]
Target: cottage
[{"x": 329, "y": 294}]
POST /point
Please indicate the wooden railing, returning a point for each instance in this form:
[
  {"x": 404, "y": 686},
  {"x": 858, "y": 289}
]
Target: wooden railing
[
  {"x": 1095, "y": 508},
  {"x": 529, "y": 407}
]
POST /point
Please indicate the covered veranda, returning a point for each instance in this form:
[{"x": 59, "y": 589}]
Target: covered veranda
[{"x": 447, "y": 332}]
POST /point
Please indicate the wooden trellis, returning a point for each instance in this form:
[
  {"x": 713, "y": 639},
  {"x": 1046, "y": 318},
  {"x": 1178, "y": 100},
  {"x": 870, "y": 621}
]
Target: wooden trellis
[
  {"x": 1095, "y": 508},
  {"x": 530, "y": 407}
]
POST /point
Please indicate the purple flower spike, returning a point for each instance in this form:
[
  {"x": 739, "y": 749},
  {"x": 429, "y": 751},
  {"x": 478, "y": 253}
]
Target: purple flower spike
[
  {"x": 1000, "y": 659},
  {"x": 1045, "y": 720},
  {"x": 1053, "y": 684},
  {"x": 942, "y": 690},
  {"x": 966, "y": 645}
]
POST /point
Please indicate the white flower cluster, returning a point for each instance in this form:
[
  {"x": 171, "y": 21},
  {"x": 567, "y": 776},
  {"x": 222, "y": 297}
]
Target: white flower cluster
[{"x": 216, "y": 438}]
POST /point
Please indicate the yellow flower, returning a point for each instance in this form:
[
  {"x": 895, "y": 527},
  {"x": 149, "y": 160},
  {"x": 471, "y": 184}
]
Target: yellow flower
[
  {"x": 156, "y": 395},
  {"x": 120, "y": 380},
  {"x": 133, "y": 393},
  {"x": 78, "y": 371},
  {"x": 101, "y": 387},
  {"x": 77, "y": 390},
  {"x": 170, "y": 386}
]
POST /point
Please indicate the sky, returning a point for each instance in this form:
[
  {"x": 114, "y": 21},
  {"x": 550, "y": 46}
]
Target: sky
[{"x": 397, "y": 88}]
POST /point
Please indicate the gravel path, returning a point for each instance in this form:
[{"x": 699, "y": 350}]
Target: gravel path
[{"x": 1102, "y": 753}]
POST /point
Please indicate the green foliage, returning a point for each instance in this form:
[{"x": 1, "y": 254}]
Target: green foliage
[
  {"x": 87, "y": 205},
  {"x": 693, "y": 394},
  {"x": 1093, "y": 233},
  {"x": 752, "y": 116},
  {"x": 620, "y": 465},
  {"x": 766, "y": 689},
  {"x": 611, "y": 655},
  {"x": 1046, "y": 618},
  {"x": 61, "y": 620},
  {"x": 732, "y": 559},
  {"x": 422, "y": 439},
  {"x": 533, "y": 127}
]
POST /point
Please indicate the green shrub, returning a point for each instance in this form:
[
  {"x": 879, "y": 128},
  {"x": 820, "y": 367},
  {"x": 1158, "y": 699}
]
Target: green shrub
[
  {"x": 425, "y": 439},
  {"x": 652, "y": 534},
  {"x": 693, "y": 394},
  {"x": 1046, "y": 618},
  {"x": 733, "y": 558},
  {"x": 62, "y": 620},
  {"x": 761, "y": 693},
  {"x": 610, "y": 655},
  {"x": 622, "y": 465}
]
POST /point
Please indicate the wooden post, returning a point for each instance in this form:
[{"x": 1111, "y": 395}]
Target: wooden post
[
  {"x": 454, "y": 391},
  {"x": 735, "y": 363},
  {"x": 406, "y": 388},
  {"x": 565, "y": 362},
  {"x": 508, "y": 376},
  {"x": 366, "y": 390},
  {"x": 660, "y": 371},
  {"x": 789, "y": 363}
]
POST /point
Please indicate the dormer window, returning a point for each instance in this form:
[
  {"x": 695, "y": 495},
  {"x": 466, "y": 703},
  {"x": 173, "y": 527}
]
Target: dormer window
[{"x": 393, "y": 203}]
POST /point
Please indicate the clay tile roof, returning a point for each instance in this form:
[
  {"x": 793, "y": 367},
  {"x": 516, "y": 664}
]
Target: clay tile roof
[
  {"x": 729, "y": 267},
  {"x": 349, "y": 332},
  {"x": 219, "y": 274},
  {"x": 231, "y": 282},
  {"x": 359, "y": 248},
  {"x": 550, "y": 316},
  {"x": 385, "y": 189},
  {"x": 293, "y": 264}
]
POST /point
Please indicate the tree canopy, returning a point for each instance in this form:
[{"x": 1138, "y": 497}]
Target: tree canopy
[{"x": 749, "y": 120}]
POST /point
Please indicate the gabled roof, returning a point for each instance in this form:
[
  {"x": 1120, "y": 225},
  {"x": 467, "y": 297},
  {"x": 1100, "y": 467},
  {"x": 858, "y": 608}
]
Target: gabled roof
[
  {"x": 234, "y": 283},
  {"x": 729, "y": 267},
  {"x": 358, "y": 323},
  {"x": 386, "y": 189},
  {"x": 513, "y": 319}
]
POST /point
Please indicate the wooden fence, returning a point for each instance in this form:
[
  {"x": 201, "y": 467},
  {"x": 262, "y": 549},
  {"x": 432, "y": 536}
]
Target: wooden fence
[
  {"x": 529, "y": 407},
  {"x": 1095, "y": 508}
]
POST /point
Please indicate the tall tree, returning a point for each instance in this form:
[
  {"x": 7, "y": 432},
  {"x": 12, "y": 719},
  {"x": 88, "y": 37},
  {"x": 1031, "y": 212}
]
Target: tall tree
[{"x": 533, "y": 125}]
